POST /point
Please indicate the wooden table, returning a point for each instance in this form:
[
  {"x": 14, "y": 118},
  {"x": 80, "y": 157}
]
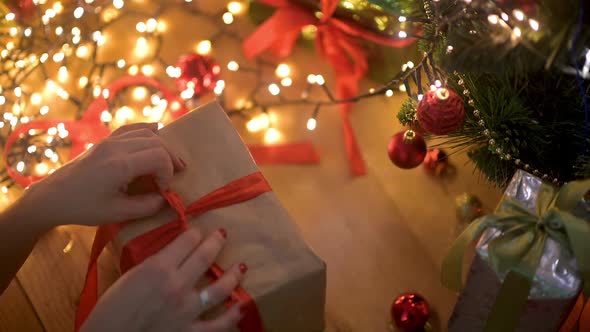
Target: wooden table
[{"x": 380, "y": 235}]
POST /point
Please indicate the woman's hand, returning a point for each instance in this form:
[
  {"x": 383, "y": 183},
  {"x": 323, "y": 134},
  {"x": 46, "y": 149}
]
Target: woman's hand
[
  {"x": 90, "y": 190},
  {"x": 159, "y": 294}
]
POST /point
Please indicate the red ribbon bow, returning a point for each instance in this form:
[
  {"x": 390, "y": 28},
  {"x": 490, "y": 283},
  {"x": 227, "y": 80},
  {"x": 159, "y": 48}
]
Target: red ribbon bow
[
  {"x": 147, "y": 244},
  {"x": 335, "y": 41},
  {"x": 90, "y": 129}
]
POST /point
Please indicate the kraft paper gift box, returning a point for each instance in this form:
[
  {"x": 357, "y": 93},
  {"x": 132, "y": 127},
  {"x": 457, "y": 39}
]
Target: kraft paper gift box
[{"x": 285, "y": 278}]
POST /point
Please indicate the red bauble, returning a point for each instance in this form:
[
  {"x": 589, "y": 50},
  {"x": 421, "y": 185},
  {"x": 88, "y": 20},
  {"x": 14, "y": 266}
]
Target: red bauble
[
  {"x": 436, "y": 161},
  {"x": 407, "y": 149},
  {"x": 198, "y": 72},
  {"x": 441, "y": 111},
  {"x": 409, "y": 312}
]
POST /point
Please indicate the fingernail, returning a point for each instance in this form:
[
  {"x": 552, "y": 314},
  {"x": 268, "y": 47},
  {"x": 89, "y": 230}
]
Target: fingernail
[
  {"x": 182, "y": 162},
  {"x": 243, "y": 268},
  {"x": 223, "y": 232}
]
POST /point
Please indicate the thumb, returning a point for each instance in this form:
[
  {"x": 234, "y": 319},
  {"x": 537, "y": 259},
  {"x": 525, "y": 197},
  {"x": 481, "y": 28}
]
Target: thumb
[{"x": 138, "y": 206}]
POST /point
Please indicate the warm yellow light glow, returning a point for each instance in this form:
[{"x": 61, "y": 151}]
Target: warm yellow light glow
[
  {"x": 140, "y": 93},
  {"x": 147, "y": 70},
  {"x": 78, "y": 12},
  {"x": 58, "y": 57},
  {"x": 274, "y": 89},
  {"x": 118, "y": 4},
  {"x": 151, "y": 25},
  {"x": 228, "y": 18},
  {"x": 20, "y": 166},
  {"x": 50, "y": 86},
  {"x": 141, "y": 27},
  {"x": 534, "y": 24},
  {"x": 493, "y": 19},
  {"x": 162, "y": 26},
  {"x": 4, "y": 189},
  {"x": 58, "y": 7},
  {"x": 402, "y": 19},
  {"x": 105, "y": 116},
  {"x": 287, "y": 81},
  {"x": 311, "y": 124},
  {"x": 96, "y": 91},
  {"x": 516, "y": 32},
  {"x": 402, "y": 34},
  {"x": 123, "y": 114},
  {"x": 235, "y": 7},
  {"x": 133, "y": 70},
  {"x": 63, "y": 94},
  {"x": 204, "y": 47},
  {"x": 82, "y": 51},
  {"x": 175, "y": 106},
  {"x": 36, "y": 99},
  {"x": 62, "y": 74},
  {"x": 283, "y": 70},
  {"x": 106, "y": 93},
  {"x": 272, "y": 135},
  {"x": 32, "y": 149},
  {"x": 44, "y": 110},
  {"x": 121, "y": 63},
  {"x": 18, "y": 92},
  {"x": 41, "y": 168},
  {"x": 219, "y": 87},
  {"x": 319, "y": 79},
  {"x": 258, "y": 123},
  {"x": 389, "y": 93},
  {"x": 402, "y": 87},
  {"x": 141, "y": 47},
  {"x": 233, "y": 66}
]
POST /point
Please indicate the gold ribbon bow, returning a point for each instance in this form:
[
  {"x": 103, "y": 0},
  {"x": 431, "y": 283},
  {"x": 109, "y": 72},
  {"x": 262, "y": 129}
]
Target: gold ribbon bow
[{"x": 518, "y": 250}]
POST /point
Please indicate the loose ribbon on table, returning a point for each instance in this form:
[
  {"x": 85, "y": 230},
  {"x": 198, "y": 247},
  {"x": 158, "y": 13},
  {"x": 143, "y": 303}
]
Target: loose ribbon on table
[
  {"x": 91, "y": 130},
  {"x": 518, "y": 250},
  {"x": 138, "y": 249},
  {"x": 335, "y": 41}
]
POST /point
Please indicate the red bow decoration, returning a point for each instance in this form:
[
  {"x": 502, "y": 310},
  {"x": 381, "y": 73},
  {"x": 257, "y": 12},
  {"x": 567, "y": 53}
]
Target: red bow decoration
[
  {"x": 335, "y": 41},
  {"x": 147, "y": 244},
  {"x": 90, "y": 130}
]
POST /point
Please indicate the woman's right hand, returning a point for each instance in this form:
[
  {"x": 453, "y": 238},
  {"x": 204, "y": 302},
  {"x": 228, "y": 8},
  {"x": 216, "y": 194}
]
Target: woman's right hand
[{"x": 160, "y": 295}]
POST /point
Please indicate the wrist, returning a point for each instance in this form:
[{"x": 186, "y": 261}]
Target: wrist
[{"x": 28, "y": 212}]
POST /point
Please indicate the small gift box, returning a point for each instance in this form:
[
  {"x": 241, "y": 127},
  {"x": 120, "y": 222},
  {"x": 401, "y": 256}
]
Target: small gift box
[
  {"x": 531, "y": 259},
  {"x": 222, "y": 187}
]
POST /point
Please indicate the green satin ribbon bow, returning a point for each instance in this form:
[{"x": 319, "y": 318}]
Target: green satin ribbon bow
[{"x": 518, "y": 250}]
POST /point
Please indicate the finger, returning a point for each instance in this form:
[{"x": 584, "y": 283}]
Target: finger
[
  {"x": 218, "y": 291},
  {"x": 139, "y": 206},
  {"x": 154, "y": 161},
  {"x": 135, "y": 144},
  {"x": 201, "y": 259},
  {"x": 224, "y": 322},
  {"x": 178, "y": 250},
  {"x": 135, "y": 126}
]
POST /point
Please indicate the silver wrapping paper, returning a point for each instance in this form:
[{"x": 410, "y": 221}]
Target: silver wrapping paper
[{"x": 557, "y": 276}]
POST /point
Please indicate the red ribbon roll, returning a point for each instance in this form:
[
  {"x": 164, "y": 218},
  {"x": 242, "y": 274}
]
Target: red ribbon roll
[
  {"x": 147, "y": 244},
  {"x": 335, "y": 41}
]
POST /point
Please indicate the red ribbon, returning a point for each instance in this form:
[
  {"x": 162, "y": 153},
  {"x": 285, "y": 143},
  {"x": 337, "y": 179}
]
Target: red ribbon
[
  {"x": 147, "y": 244},
  {"x": 335, "y": 41},
  {"x": 90, "y": 129}
]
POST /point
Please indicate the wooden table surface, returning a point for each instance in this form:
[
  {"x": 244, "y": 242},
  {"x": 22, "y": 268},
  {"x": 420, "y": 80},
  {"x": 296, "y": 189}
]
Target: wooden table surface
[{"x": 381, "y": 235}]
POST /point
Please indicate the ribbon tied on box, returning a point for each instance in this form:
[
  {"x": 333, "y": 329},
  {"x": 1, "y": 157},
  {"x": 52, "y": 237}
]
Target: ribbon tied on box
[
  {"x": 143, "y": 246},
  {"x": 517, "y": 251},
  {"x": 336, "y": 41}
]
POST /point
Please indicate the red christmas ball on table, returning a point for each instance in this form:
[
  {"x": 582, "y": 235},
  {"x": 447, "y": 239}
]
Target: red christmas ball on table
[
  {"x": 407, "y": 149},
  {"x": 410, "y": 312},
  {"x": 441, "y": 111},
  {"x": 197, "y": 72}
]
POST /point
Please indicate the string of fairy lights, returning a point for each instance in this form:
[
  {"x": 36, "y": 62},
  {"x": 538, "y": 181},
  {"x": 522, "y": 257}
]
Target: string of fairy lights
[{"x": 39, "y": 55}]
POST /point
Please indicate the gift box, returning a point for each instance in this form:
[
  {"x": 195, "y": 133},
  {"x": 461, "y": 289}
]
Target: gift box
[
  {"x": 286, "y": 281},
  {"x": 530, "y": 259}
]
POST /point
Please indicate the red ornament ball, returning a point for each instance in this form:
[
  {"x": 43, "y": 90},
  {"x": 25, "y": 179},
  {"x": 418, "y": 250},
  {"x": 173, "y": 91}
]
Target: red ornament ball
[
  {"x": 436, "y": 161},
  {"x": 409, "y": 312},
  {"x": 441, "y": 111},
  {"x": 407, "y": 149},
  {"x": 198, "y": 72}
]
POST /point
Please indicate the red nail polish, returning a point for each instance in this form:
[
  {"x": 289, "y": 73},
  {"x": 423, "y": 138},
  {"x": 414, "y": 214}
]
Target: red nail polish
[
  {"x": 223, "y": 232},
  {"x": 243, "y": 268}
]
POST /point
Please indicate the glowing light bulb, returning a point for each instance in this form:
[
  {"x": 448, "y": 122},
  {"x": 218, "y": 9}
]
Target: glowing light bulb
[
  {"x": 233, "y": 66},
  {"x": 105, "y": 116},
  {"x": 389, "y": 93},
  {"x": 58, "y": 7},
  {"x": 402, "y": 34},
  {"x": 20, "y": 166},
  {"x": 258, "y": 123},
  {"x": 41, "y": 168},
  {"x": 311, "y": 79},
  {"x": 274, "y": 89},
  {"x": 10, "y": 16},
  {"x": 287, "y": 81},
  {"x": 402, "y": 87},
  {"x": 76, "y": 31},
  {"x": 13, "y": 31},
  {"x": 311, "y": 124},
  {"x": 151, "y": 25},
  {"x": 518, "y": 14},
  {"x": 58, "y": 57},
  {"x": 63, "y": 94},
  {"x": 147, "y": 70},
  {"x": 516, "y": 32},
  {"x": 228, "y": 18},
  {"x": 44, "y": 110},
  {"x": 48, "y": 153},
  {"x": 96, "y": 91},
  {"x": 2, "y": 100},
  {"x": 319, "y": 79},
  {"x": 18, "y": 92},
  {"x": 141, "y": 47},
  {"x": 133, "y": 70},
  {"x": 504, "y": 16},
  {"x": 235, "y": 7},
  {"x": 162, "y": 26},
  {"x": 283, "y": 70},
  {"x": 82, "y": 51},
  {"x": 140, "y": 93},
  {"x": 121, "y": 63},
  {"x": 272, "y": 135},
  {"x": 534, "y": 24},
  {"x": 78, "y": 12},
  {"x": 204, "y": 47},
  {"x": 50, "y": 86},
  {"x": 4, "y": 189},
  {"x": 32, "y": 149},
  {"x": 123, "y": 114},
  {"x": 36, "y": 98},
  {"x": 402, "y": 19},
  {"x": 187, "y": 94},
  {"x": 62, "y": 75},
  {"x": 43, "y": 57},
  {"x": 493, "y": 19},
  {"x": 141, "y": 27},
  {"x": 118, "y": 4},
  {"x": 219, "y": 87},
  {"x": 28, "y": 32}
]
